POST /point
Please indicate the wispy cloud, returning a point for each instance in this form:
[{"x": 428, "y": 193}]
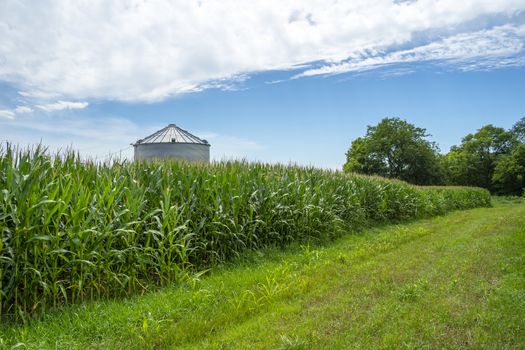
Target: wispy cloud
[
  {"x": 49, "y": 107},
  {"x": 492, "y": 48},
  {"x": 151, "y": 50},
  {"x": 4, "y": 113},
  {"x": 61, "y": 105},
  {"x": 23, "y": 109}
]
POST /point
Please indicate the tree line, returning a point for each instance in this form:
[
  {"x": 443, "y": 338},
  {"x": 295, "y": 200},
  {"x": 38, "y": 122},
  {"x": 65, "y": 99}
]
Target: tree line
[{"x": 492, "y": 157}]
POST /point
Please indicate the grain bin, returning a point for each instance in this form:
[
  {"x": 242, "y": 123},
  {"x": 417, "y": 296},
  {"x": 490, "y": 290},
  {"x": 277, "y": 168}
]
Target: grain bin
[{"x": 172, "y": 142}]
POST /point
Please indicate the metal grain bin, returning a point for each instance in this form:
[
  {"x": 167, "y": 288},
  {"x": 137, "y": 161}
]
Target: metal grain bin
[{"x": 172, "y": 142}]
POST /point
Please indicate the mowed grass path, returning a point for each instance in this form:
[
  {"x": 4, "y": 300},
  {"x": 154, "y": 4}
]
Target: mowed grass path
[{"x": 456, "y": 281}]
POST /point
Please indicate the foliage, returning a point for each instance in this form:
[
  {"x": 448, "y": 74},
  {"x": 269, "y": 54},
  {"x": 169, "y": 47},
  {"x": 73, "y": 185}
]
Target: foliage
[
  {"x": 429, "y": 284},
  {"x": 509, "y": 175},
  {"x": 397, "y": 149},
  {"x": 74, "y": 231},
  {"x": 519, "y": 130},
  {"x": 474, "y": 161},
  {"x": 490, "y": 158}
]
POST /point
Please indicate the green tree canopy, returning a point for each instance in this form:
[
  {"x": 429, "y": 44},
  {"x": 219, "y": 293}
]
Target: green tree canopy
[
  {"x": 473, "y": 162},
  {"x": 519, "y": 130},
  {"x": 395, "y": 148},
  {"x": 509, "y": 174}
]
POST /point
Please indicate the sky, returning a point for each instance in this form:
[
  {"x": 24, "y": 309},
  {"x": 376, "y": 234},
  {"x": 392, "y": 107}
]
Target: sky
[{"x": 263, "y": 80}]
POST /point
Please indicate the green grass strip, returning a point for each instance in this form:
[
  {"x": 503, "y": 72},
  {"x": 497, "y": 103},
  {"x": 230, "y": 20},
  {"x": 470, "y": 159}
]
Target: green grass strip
[{"x": 455, "y": 281}]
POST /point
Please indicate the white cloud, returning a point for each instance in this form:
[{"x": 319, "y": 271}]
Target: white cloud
[
  {"x": 137, "y": 50},
  {"x": 484, "y": 49},
  {"x": 38, "y": 95},
  {"x": 61, "y": 105},
  {"x": 50, "y": 107},
  {"x": 4, "y": 113},
  {"x": 23, "y": 109}
]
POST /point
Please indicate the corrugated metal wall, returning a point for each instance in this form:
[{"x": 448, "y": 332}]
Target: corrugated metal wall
[{"x": 186, "y": 151}]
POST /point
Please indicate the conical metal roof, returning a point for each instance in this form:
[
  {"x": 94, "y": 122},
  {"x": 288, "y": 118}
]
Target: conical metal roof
[{"x": 172, "y": 134}]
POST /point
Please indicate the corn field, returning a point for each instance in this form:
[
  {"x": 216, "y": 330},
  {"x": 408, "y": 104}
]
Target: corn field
[{"x": 74, "y": 231}]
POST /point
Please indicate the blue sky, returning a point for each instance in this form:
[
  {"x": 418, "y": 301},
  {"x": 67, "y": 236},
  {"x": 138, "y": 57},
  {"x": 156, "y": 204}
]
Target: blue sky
[{"x": 273, "y": 81}]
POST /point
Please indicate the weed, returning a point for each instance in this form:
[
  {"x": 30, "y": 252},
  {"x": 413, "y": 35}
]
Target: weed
[{"x": 413, "y": 291}]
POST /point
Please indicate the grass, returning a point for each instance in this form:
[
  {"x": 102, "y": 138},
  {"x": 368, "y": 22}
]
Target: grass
[
  {"x": 74, "y": 231},
  {"x": 455, "y": 281}
]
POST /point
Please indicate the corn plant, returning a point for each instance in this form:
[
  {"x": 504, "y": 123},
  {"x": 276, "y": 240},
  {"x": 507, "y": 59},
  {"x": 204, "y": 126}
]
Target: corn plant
[{"x": 74, "y": 230}]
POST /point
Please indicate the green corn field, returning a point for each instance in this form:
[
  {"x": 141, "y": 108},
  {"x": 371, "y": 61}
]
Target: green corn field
[{"x": 75, "y": 231}]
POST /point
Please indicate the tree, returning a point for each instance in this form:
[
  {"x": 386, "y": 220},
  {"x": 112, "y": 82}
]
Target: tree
[
  {"x": 519, "y": 130},
  {"x": 509, "y": 174},
  {"x": 473, "y": 162},
  {"x": 395, "y": 148}
]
